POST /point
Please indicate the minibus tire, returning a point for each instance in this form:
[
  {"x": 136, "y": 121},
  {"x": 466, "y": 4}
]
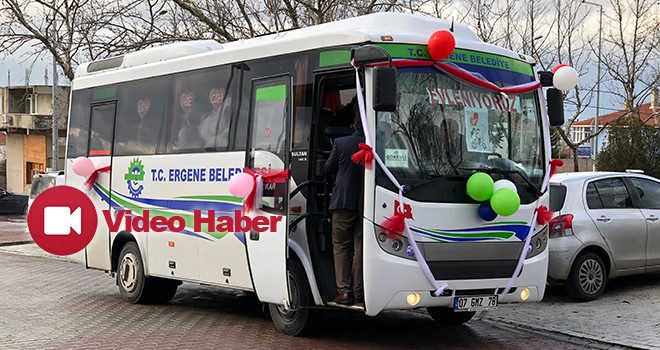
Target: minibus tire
[
  {"x": 448, "y": 316},
  {"x": 165, "y": 290},
  {"x": 135, "y": 288},
  {"x": 300, "y": 321}
]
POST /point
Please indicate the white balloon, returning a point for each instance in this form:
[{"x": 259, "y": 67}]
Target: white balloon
[
  {"x": 500, "y": 184},
  {"x": 565, "y": 78}
]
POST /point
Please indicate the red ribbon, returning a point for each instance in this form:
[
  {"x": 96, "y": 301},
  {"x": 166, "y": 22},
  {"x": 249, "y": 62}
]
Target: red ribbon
[
  {"x": 271, "y": 177},
  {"x": 91, "y": 180},
  {"x": 394, "y": 225},
  {"x": 465, "y": 75},
  {"x": 544, "y": 215},
  {"x": 364, "y": 156},
  {"x": 554, "y": 164}
]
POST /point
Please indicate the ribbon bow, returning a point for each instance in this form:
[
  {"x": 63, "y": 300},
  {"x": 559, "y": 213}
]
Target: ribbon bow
[
  {"x": 394, "y": 225},
  {"x": 544, "y": 215},
  {"x": 253, "y": 199},
  {"x": 554, "y": 164},
  {"x": 91, "y": 179},
  {"x": 364, "y": 156}
]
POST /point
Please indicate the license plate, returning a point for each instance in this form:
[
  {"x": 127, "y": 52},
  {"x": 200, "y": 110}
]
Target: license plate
[{"x": 475, "y": 303}]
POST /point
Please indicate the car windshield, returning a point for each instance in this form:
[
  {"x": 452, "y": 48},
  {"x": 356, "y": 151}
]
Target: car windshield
[
  {"x": 443, "y": 130},
  {"x": 40, "y": 184}
]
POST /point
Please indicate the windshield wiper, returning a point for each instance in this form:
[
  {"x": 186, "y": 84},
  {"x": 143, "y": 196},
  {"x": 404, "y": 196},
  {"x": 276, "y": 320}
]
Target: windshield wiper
[{"x": 504, "y": 172}]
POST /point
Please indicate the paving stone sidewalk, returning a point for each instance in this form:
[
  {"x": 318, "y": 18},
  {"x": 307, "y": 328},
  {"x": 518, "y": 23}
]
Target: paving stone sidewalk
[{"x": 628, "y": 313}]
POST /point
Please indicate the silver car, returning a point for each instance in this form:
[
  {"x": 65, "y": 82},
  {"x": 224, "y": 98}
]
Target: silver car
[{"x": 605, "y": 225}]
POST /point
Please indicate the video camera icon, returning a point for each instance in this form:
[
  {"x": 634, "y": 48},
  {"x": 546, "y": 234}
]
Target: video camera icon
[
  {"x": 56, "y": 214},
  {"x": 60, "y": 220}
]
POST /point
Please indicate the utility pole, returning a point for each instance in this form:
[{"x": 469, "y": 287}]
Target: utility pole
[
  {"x": 600, "y": 48},
  {"x": 56, "y": 155}
]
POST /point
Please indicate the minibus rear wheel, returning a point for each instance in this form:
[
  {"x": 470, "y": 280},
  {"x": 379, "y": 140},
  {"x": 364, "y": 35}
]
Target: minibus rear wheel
[
  {"x": 298, "y": 320},
  {"x": 447, "y": 315},
  {"x": 134, "y": 286}
]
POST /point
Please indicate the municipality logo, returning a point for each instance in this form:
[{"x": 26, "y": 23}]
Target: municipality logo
[{"x": 134, "y": 177}]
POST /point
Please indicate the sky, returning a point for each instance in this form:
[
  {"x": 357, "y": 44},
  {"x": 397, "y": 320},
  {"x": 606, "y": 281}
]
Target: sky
[{"x": 18, "y": 63}]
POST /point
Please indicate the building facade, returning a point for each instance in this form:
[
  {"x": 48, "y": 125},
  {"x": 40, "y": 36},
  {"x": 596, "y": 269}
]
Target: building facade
[{"x": 26, "y": 125}]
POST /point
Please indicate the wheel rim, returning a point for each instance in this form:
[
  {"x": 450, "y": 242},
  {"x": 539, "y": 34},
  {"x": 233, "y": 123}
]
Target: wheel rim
[
  {"x": 591, "y": 276},
  {"x": 128, "y": 272},
  {"x": 290, "y": 315}
]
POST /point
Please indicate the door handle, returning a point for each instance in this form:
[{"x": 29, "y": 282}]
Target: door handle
[
  {"x": 604, "y": 218},
  {"x": 652, "y": 218}
]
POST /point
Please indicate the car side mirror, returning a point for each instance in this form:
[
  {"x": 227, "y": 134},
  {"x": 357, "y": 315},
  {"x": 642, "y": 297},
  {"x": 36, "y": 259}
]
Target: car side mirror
[{"x": 3, "y": 194}]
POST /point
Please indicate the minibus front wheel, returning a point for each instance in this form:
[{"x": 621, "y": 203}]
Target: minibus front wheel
[{"x": 299, "y": 320}]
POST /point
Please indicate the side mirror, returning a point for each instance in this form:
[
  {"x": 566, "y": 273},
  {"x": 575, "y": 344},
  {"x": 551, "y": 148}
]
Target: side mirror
[
  {"x": 555, "y": 107},
  {"x": 384, "y": 89},
  {"x": 370, "y": 54},
  {"x": 545, "y": 78},
  {"x": 3, "y": 194}
]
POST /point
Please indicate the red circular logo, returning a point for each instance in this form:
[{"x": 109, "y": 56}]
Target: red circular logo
[{"x": 62, "y": 220}]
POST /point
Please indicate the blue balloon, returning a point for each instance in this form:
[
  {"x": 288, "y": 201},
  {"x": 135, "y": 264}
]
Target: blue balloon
[{"x": 486, "y": 212}]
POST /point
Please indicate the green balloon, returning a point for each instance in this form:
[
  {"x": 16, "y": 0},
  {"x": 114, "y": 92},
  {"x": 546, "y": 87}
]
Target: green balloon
[
  {"x": 505, "y": 202},
  {"x": 480, "y": 187}
]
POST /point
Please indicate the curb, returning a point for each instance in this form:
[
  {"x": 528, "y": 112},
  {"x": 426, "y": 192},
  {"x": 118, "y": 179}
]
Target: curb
[
  {"x": 9, "y": 244},
  {"x": 562, "y": 336}
]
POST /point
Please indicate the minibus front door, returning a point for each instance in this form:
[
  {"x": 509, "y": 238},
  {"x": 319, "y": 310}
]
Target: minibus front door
[{"x": 268, "y": 155}]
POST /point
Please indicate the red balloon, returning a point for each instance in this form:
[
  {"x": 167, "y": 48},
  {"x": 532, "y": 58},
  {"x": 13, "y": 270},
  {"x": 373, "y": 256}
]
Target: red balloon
[
  {"x": 554, "y": 70},
  {"x": 441, "y": 44}
]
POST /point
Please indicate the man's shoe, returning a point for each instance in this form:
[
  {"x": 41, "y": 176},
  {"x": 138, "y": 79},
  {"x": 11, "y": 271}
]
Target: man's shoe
[
  {"x": 359, "y": 302},
  {"x": 343, "y": 298}
]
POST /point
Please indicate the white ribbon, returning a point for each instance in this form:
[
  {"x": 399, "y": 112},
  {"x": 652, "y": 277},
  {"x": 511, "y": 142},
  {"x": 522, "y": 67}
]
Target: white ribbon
[{"x": 439, "y": 287}]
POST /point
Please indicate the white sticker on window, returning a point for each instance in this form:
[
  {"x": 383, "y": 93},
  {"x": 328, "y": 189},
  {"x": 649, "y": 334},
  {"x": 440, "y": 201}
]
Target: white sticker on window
[
  {"x": 396, "y": 158},
  {"x": 476, "y": 128}
]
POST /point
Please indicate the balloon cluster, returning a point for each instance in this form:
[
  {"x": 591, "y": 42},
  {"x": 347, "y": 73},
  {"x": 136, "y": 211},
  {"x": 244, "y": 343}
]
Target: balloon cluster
[
  {"x": 565, "y": 77},
  {"x": 498, "y": 198}
]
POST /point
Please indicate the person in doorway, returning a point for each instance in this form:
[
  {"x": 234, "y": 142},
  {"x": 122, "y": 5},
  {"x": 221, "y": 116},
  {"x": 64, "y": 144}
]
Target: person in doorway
[
  {"x": 346, "y": 115},
  {"x": 346, "y": 207}
]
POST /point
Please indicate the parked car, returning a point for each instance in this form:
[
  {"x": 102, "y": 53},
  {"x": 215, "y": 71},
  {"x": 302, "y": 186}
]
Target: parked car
[
  {"x": 44, "y": 181},
  {"x": 606, "y": 225},
  {"x": 11, "y": 203}
]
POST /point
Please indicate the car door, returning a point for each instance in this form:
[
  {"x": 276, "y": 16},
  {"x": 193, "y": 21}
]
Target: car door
[
  {"x": 648, "y": 201},
  {"x": 5, "y": 202},
  {"x": 622, "y": 226},
  {"x": 268, "y": 154}
]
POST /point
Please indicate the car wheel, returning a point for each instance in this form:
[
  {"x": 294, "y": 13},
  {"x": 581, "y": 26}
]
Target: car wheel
[
  {"x": 587, "y": 278},
  {"x": 298, "y": 320},
  {"x": 448, "y": 316},
  {"x": 134, "y": 286},
  {"x": 24, "y": 210}
]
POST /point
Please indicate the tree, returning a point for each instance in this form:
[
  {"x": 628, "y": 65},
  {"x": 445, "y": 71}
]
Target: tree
[
  {"x": 242, "y": 19},
  {"x": 632, "y": 145},
  {"x": 74, "y": 31},
  {"x": 631, "y": 50}
]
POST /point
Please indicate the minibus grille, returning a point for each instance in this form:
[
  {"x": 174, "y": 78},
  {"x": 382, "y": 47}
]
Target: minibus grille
[{"x": 465, "y": 270}]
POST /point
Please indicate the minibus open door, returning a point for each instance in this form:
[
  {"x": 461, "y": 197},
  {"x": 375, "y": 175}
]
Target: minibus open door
[{"x": 268, "y": 154}]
